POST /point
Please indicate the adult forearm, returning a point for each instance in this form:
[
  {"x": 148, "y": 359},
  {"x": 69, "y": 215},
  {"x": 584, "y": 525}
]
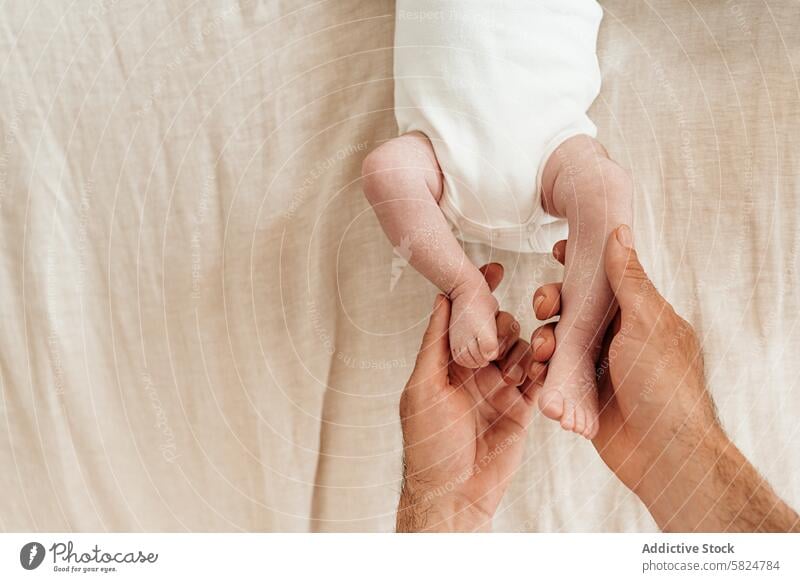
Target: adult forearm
[
  {"x": 420, "y": 512},
  {"x": 711, "y": 486}
]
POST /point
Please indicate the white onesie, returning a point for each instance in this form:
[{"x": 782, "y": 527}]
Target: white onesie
[{"x": 497, "y": 85}]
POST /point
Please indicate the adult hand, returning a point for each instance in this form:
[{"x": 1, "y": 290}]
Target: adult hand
[
  {"x": 463, "y": 429},
  {"x": 659, "y": 431}
]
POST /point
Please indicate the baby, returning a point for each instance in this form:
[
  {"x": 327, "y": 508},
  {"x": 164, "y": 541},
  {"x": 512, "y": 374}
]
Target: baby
[{"x": 496, "y": 148}]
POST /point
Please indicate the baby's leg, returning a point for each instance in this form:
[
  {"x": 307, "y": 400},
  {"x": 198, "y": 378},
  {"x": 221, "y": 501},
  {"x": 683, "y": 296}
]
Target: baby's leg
[
  {"x": 403, "y": 183},
  {"x": 581, "y": 183}
]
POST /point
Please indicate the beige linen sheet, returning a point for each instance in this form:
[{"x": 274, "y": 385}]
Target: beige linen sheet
[{"x": 203, "y": 326}]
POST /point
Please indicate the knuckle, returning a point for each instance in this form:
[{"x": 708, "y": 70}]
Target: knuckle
[{"x": 406, "y": 405}]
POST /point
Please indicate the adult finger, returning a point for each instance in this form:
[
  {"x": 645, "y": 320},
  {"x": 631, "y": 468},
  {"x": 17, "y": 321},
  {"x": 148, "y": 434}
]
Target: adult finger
[
  {"x": 547, "y": 301},
  {"x": 625, "y": 273},
  {"x": 537, "y": 374},
  {"x": 543, "y": 343},
  {"x": 603, "y": 368},
  {"x": 493, "y": 273},
  {"x": 513, "y": 366},
  {"x": 528, "y": 390},
  {"x": 560, "y": 251},
  {"x": 507, "y": 333},
  {"x": 434, "y": 354},
  {"x": 505, "y": 397}
]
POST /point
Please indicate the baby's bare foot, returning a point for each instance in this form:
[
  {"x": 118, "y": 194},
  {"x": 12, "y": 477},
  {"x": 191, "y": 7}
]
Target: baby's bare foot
[
  {"x": 473, "y": 332},
  {"x": 569, "y": 394},
  {"x": 582, "y": 184}
]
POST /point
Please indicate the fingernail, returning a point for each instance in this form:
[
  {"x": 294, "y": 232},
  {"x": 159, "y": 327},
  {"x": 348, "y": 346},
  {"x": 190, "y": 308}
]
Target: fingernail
[
  {"x": 516, "y": 373},
  {"x": 535, "y": 371},
  {"x": 503, "y": 345},
  {"x": 537, "y": 343},
  {"x": 537, "y": 302},
  {"x": 624, "y": 236}
]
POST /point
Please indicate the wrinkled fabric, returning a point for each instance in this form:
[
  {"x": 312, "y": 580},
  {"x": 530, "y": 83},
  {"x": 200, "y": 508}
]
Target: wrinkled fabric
[{"x": 204, "y": 328}]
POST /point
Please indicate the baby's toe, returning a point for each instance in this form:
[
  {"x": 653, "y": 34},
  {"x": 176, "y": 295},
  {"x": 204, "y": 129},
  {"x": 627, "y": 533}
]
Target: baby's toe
[
  {"x": 488, "y": 346},
  {"x": 475, "y": 351},
  {"x": 580, "y": 420},
  {"x": 592, "y": 426},
  {"x": 462, "y": 356},
  {"x": 568, "y": 418},
  {"x": 468, "y": 355},
  {"x": 551, "y": 403}
]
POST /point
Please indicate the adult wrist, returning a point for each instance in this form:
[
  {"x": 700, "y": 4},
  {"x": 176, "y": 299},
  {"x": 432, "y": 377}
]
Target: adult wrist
[
  {"x": 690, "y": 477},
  {"x": 421, "y": 509}
]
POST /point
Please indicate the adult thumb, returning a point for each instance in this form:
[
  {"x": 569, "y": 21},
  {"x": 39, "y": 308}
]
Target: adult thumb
[
  {"x": 434, "y": 355},
  {"x": 626, "y": 276}
]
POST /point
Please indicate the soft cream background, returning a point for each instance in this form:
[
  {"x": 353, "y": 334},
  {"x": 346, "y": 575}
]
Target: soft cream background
[{"x": 199, "y": 331}]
